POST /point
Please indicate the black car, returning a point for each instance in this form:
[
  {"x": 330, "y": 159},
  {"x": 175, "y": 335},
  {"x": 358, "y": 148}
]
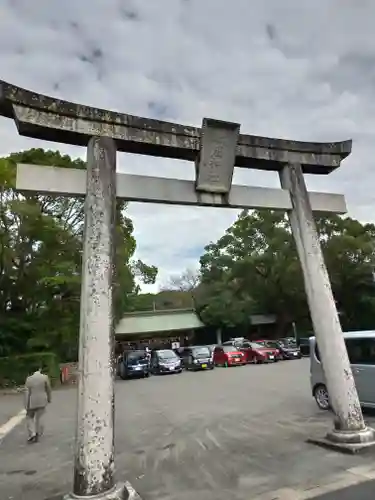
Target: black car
[
  {"x": 289, "y": 350},
  {"x": 134, "y": 364},
  {"x": 165, "y": 361},
  {"x": 197, "y": 358},
  {"x": 304, "y": 346}
]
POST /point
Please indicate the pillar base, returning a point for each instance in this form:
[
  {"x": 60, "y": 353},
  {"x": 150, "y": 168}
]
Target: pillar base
[
  {"x": 349, "y": 442},
  {"x": 121, "y": 491}
]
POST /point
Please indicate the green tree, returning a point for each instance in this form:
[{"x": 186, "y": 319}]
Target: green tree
[
  {"x": 224, "y": 304},
  {"x": 349, "y": 250},
  {"x": 257, "y": 260},
  {"x": 40, "y": 262}
]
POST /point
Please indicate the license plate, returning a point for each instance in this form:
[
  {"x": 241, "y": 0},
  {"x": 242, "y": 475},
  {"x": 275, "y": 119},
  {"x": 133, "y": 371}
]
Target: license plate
[
  {"x": 294, "y": 354},
  {"x": 271, "y": 357},
  {"x": 237, "y": 360},
  {"x": 171, "y": 368},
  {"x": 204, "y": 366}
]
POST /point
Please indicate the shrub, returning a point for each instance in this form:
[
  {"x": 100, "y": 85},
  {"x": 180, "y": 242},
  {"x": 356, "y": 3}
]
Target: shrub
[{"x": 15, "y": 369}]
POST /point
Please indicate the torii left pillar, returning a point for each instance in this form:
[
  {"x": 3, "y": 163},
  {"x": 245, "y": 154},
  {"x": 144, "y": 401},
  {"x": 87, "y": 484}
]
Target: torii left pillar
[{"x": 94, "y": 449}]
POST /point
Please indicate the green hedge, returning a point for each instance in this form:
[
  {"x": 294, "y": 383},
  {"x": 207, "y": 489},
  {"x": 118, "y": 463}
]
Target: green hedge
[{"x": 15, "y": 369}]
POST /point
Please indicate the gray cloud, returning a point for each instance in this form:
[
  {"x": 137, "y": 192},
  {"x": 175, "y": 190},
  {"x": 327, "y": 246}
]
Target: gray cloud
[{"x": 302, "y": 70}]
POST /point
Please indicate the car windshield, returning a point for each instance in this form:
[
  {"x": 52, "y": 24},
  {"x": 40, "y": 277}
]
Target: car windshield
[
  {"x": 136, "y": 357},
  {"x": 229, "y": 348},
  {"x": 167, "y": 354},
  {"x": 201, "y": 352},
  {"x": 289, "y": 345},
  {"x": 257, "y": 345},
  {"x": 271, "y": 344}
]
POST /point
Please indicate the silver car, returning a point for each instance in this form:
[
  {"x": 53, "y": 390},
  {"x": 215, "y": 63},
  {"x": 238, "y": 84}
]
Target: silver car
[{"x": 361, "y": 352}]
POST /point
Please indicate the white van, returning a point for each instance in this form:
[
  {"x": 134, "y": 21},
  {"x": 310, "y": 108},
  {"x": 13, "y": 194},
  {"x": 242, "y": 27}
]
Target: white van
[{"x": 361, "y": 352}]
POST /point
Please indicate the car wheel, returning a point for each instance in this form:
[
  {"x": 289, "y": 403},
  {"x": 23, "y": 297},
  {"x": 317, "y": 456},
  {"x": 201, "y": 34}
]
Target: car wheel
[{"x": 321, "y": 397}]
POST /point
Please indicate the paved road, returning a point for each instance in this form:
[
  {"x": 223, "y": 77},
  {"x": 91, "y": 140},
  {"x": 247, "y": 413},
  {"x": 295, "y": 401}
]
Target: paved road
[
  {"x": 9, "y": 406},
  {"x": 363, "y": 491},
  {"x": 230, "y": 433}
]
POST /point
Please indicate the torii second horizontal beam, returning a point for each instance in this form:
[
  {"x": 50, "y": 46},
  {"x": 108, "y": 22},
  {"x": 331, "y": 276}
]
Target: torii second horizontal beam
[{"x": 139, "y": 188}]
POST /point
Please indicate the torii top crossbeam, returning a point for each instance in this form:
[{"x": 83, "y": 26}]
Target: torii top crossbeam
[{"x": 51, "y": 119}]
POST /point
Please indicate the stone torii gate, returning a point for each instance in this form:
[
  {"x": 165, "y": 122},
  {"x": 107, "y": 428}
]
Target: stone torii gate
[{"x": 215, "y": 148}]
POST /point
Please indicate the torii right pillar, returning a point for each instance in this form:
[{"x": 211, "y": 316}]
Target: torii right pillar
[{"x": 350, "y": 432}]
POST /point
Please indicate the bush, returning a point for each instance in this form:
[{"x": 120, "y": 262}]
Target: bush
[{"x": 15, "y": 369}]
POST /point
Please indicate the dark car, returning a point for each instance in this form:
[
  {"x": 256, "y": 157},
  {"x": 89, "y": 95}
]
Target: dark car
[
  {"x": 165, "y": 361},
  {"x": 288, "y": 340},
  {"x": 289, "y": 350},
  {"x": 134, "y": 364},
  {"x": 197, "y": 358},
  {"x": 304, "y": 346}
]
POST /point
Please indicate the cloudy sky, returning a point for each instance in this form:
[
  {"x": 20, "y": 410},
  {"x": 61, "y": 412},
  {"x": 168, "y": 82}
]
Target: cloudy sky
[{"x": 282, "y": 68}]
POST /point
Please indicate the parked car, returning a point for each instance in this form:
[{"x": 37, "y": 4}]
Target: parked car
[
  {"x": 273, "y": 346},
  {"x": 254, "y": 352},
  {"x": 288, "y": 340},
  {"x": 361, "y": 352},
  {"x": 242, "y": 345},
  {"x": 197, "y": 358},
  {"x": 259, "y": 353},
  {"x": 134, "y": 364},
  {"x": 165, "y": 361},
  {"x": 289, "y": 350},
  {"x": 228, "y": 355},
  {"x": 304, "y": 346}
]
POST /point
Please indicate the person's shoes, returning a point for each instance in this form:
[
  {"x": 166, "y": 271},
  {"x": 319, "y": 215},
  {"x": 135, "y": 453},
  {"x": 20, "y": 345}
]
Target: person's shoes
[{"x": 32, "y": 439}]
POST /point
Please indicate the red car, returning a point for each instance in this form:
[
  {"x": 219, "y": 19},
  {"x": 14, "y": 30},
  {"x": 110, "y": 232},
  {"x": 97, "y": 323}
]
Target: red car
[
  {"x": 254, "y": 352},
  {"x": 263, "y": 353},
  {"x": 228, "y": 355}
]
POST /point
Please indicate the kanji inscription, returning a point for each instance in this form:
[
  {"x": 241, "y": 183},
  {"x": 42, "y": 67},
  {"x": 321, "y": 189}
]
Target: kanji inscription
[{"x": 216, "y": 160}]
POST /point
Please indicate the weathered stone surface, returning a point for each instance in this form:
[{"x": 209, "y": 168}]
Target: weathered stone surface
[
  {"x": 122, "y": 491},
  {"x": 44, "y": 117},
  {"x": 215, "y": 162},
  {"x": 94, "y": 453},
  {"x": 71, "y": 181},
  {"x": 324, "y": 316}
]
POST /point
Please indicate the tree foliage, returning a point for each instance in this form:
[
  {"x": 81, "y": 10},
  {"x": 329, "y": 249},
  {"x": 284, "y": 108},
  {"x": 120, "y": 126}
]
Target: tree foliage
[
  {"x": 40, "y": 262},
  {"x": 254, "y": 268},
  {"x": 187, "y": 281},
  {"x": 163, "y": 300}
]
